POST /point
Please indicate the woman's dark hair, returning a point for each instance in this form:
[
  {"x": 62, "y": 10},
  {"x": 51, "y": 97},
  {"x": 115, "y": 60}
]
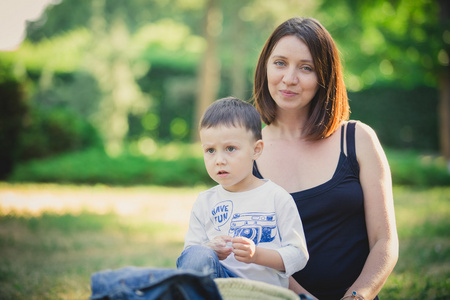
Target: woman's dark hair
[
  {"x": 232, "y": 112},
  {"x": 329, "y": 107}
]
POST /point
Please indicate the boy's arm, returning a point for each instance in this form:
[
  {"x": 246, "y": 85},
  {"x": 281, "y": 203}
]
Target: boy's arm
[
  {"x": 291, "y": 256},
  {"x": 196, "y": 234},
  {"x": 269, "y": 258},
  {"x": 245, "y": 251},
  {"x": 293, "y": 249}
]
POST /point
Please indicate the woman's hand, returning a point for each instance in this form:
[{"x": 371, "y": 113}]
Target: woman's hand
[
  {"x": 244, "y": 249},
  {"x": 219, "y": 245}
]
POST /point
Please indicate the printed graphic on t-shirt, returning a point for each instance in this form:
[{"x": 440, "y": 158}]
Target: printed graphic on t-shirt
[
  {"x": 221, "y": 213},
  {"x": 257, "y": 226}
]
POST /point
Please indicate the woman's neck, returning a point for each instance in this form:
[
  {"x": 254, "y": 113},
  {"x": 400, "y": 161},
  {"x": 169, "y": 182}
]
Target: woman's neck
[{"x": 287, "y": 126}]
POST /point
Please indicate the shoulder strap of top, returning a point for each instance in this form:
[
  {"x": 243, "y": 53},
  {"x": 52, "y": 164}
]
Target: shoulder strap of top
[
  {"x": 351, "y": 149},
  {"x": 256, "y": 170}
]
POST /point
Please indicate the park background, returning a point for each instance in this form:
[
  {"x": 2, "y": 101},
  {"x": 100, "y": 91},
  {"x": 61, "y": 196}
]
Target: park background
[{"x": 99, "y": 158}]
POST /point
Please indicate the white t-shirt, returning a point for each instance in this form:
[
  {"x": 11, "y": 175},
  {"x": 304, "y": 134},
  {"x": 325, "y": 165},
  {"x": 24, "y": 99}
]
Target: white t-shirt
[{"x": 267, "y": 215}]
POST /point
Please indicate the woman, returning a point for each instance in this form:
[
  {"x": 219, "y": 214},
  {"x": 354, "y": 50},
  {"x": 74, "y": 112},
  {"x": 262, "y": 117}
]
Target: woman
[{"x": 335, "y": 170}]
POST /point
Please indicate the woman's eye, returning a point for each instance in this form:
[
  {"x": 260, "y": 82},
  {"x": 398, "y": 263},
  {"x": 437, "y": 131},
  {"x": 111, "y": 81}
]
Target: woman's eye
[
  {"x": 231, "y": 148},
  {"x": 307, "y": 68},
  {"x": 279, "y": 63}
]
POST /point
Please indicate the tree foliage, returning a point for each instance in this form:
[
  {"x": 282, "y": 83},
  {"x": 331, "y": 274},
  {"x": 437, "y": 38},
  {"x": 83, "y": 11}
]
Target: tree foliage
[
  {"x": 132, "y": 68},
  {"x": 388, "y": 42}
]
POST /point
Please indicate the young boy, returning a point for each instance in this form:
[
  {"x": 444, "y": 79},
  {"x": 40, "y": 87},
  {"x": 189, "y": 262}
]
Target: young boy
[{"x": 244, "y": 227}]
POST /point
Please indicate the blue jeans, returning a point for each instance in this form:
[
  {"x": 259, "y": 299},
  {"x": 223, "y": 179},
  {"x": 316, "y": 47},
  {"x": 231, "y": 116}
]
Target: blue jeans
[
  {"x": 135, "y": 283},
  {"x": 203, "y": 259}
]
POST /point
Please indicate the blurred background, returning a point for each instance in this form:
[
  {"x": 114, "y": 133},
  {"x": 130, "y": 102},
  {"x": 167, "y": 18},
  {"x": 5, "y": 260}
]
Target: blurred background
[
  {"x": 99, "y": 105},
  {"x": 109, "y": 91}
]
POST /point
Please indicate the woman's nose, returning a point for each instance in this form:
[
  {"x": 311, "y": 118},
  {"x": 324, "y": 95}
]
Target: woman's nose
[{"x": 290, "y": 77}]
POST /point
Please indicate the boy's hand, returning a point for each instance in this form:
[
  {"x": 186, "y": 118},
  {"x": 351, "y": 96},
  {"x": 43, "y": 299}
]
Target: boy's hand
[
  {"x": 219, "y": 245},
  {"x": 244, "y": 249}
]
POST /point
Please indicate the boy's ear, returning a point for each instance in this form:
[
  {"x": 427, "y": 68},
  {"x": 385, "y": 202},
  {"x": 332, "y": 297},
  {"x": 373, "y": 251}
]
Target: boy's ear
[{"x": 259, "y": 146}]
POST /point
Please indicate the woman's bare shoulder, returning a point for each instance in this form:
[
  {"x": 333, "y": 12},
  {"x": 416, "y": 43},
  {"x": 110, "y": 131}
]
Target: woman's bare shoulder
[
  {"x": 364, "y": 132},
  {"x": 366, "y": 141}
]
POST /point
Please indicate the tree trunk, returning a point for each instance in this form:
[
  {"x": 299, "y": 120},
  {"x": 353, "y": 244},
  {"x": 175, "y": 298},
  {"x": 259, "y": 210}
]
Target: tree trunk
[
  {"x": 209, "y": 74},
  {"x": 238, "y": 67},
  {"x": 444, "y": 101},
  {"x": 444, "y": 116}
]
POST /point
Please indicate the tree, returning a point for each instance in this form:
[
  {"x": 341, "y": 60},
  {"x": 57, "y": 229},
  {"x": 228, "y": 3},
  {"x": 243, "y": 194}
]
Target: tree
[
  {"x": 444, "y": 107},
  {"x": 110, "y": 62},
  {"x": 402, "y": 43},
  {"x": 209, "y": 74},
  {"x": 384, "y": 43}
]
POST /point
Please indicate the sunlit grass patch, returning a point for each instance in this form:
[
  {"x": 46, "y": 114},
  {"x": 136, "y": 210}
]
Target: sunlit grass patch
[
  {"x": 423, "y": 223},
  {"x": 422, "y": 212},
  {"x": 52, "y": 256},
  {"x": 411, "y": 286}
]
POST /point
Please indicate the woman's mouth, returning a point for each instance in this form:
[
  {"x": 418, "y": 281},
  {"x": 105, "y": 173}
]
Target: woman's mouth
[{"x": 287, "y": 93}]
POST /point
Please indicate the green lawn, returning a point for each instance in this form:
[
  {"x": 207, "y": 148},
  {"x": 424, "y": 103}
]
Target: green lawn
[
  {"x": 51, "y": 256},
  {"x": 423, "y": 223}
]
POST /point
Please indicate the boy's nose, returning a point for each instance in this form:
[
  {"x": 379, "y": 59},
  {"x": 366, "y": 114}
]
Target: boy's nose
[{"x": 220, "y": 159}]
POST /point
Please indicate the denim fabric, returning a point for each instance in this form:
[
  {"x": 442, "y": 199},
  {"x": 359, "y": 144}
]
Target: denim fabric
[
  {"x": 134, "y": 283},
  {"x": 203, "y": 259}
]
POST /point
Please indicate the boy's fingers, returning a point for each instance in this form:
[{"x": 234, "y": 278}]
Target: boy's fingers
[
  {"x": 240, "y": 252},
  {"x": 241, "y": 239}
]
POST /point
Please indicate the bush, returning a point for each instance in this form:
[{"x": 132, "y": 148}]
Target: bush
[
  {"x": 12, "y": 113},
  {"x": 403, "y": 119},
  {"x": 54, "y": 131},
  {"x": 93, "y": 166},
  {"x": 413, "y": 168},
  {"x": 185, "y": 168}
]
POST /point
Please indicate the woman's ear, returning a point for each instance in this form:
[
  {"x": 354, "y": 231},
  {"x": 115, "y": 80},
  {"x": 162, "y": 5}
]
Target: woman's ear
[{"x": 259, "y": 146}]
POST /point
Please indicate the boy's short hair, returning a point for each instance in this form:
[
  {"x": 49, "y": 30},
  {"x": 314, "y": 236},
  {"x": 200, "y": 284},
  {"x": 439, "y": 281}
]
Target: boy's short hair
[{"x": 231, "y": 111}]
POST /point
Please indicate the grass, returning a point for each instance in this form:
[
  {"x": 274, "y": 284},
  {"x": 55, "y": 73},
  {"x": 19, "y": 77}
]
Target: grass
[
  {"x": 423, "y": 223},
  {"x": 51, "y": 255}
]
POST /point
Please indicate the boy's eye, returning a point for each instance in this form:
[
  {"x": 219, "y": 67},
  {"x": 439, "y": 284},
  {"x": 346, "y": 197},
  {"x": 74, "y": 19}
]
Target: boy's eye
[
  {"x": 231, "y": 148},
  {"x": 210, "y": 150}
]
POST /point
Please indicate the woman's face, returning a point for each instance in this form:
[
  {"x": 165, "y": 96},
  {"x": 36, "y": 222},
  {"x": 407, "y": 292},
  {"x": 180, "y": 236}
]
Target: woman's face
[{"x": 291, "y": 75}]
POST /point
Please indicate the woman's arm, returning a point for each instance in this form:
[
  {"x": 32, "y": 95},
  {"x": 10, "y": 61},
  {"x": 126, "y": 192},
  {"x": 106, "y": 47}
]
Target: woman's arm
[
  {"x": 376, "y": 183},
  {"x": 298, "y": 289}
]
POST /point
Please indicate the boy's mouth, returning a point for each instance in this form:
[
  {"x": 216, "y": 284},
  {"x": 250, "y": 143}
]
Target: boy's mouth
[{"x": 221, "y": 172}]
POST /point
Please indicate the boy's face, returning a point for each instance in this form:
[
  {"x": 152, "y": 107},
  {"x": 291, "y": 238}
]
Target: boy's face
[{"x": 229, "y": 153}]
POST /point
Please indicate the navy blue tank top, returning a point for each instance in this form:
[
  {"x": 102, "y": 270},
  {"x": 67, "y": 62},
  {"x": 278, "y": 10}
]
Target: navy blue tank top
[{"x": 335, "y": 228}]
